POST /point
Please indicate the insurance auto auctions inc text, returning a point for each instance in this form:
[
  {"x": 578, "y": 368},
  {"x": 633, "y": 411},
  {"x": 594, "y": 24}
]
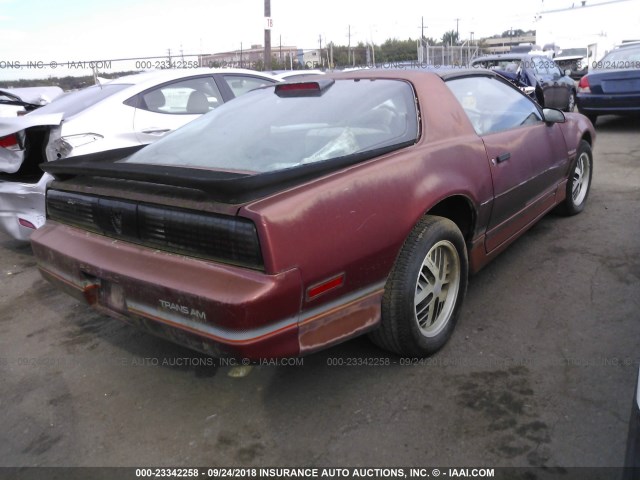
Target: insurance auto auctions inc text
[{"x": 357, "y": 473}]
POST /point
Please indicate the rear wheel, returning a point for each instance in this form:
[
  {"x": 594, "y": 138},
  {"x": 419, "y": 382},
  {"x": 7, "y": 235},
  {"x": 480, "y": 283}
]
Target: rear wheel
[
  {"x": 425, "y": 290},
  {"x": 579, "y": 182}
]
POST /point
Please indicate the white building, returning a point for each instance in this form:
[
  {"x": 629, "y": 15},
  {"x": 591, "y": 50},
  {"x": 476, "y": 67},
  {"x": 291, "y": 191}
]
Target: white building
[{"x": 598, "y": 25}]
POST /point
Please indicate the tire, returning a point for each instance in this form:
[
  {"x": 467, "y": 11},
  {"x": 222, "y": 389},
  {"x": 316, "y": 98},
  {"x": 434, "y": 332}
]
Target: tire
[
  {"x": 415, "y": 322},
  {"x": 579, "y": 183},
  {"x": 571, "y": 104}
]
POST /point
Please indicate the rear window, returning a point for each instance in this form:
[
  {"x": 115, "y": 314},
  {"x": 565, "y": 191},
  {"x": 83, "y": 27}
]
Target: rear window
[
  {"x": 265, "y": 131},
  {"x": 622, "y": 57},
  {"x": 74, "y": 102}
]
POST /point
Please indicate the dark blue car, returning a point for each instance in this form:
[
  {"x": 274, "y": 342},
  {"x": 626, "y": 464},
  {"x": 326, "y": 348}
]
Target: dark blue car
[
  {"x": 613, "y": 86},
  {"x": 552, "y": 88}
]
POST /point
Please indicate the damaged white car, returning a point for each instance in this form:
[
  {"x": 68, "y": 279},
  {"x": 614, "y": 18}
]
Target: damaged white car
[
  {"x": 126, "y": 113},
  {"x": 19, "y": 101}
]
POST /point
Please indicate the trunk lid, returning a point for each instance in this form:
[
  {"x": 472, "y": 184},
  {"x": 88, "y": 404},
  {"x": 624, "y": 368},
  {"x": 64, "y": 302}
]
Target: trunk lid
[{"x": 614, "y": 82}]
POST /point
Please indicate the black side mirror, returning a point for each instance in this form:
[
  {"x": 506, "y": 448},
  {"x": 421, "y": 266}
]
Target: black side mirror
[{"x": 551, "y": 115}]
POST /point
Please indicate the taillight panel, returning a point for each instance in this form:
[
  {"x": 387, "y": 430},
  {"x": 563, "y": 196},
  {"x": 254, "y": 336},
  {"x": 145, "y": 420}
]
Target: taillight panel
[
  {"x": 583, "y": 85},
  {"x": 224, "y": 238},
  {"x": 11, "y": 142}
]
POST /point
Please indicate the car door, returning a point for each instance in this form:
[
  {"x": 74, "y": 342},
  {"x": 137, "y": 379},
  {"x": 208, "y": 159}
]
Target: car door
[
  {"x": 526, "y": 156},
  {"x": 164, "y": 108}
]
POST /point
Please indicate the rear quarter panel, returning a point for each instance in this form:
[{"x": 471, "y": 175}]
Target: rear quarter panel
[{"x": 355, "y": 221}]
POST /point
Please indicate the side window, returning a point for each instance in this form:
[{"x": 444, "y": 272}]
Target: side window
[
  {"x": 241, "y": 84},
  {"x": 540, "y": 65},
  {"x": 493, "y": 106},
  {"x": 191, "y": 97},
  {"x": 554, "y": 70}
]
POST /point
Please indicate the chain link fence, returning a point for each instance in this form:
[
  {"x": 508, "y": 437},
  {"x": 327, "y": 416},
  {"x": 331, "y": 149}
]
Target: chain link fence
[{"x": 448, "y": 55}]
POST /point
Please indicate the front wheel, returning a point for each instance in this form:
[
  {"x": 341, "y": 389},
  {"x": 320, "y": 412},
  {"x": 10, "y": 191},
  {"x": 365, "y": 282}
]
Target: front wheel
[
  {"x": 579, "y": 182},
  {"x": 425, "y": 290}
]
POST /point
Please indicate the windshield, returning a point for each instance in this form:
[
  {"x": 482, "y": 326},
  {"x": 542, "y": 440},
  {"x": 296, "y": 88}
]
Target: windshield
[
  {"x": 74, "y": 102},
  {"x": 266, "y": 130}
]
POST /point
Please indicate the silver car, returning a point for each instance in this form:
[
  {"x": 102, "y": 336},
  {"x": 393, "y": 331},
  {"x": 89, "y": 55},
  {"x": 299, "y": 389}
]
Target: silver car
[{"x": 126, "y": 113}]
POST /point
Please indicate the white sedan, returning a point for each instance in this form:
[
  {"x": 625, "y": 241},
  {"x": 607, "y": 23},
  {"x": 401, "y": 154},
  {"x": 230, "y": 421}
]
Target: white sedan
[{"x": 126, "y": 113}]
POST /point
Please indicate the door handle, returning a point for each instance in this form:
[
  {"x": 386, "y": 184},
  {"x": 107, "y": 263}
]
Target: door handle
[
  {"x": 502, "y": 158},
  {"x": 156, "y": 131}
]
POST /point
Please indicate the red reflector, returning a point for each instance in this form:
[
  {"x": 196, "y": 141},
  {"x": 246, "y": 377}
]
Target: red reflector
[
  {"x": 9, "y": 141},
  {"x": 287, "y": 87},
  {"x": 26, "y": 223},
  {"x": 90, "y": 293},
  {"x": 324, "y": 287}
]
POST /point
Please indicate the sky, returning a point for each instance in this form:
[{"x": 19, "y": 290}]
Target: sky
[{"x": 43, "y": 32}]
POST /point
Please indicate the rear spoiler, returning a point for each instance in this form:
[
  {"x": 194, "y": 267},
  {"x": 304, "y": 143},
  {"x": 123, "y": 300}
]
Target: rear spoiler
[{"x": 226, "y": 187}]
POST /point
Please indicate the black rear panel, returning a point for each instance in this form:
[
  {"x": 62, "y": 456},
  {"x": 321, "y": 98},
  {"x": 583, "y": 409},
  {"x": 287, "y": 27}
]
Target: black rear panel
[{"x": 224, "y": 238}]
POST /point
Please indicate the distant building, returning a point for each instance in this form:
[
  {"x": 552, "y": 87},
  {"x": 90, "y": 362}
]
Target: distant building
[
  {"x": 595, "y": 25},
  {"x": 503, "y": 44},
  {"x": 250, "y": 57}
]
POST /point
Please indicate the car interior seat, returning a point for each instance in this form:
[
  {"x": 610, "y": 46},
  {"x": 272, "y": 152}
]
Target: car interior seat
[
  {"x": 197, "y": 103},
  {"x": 155, "y": 100}
]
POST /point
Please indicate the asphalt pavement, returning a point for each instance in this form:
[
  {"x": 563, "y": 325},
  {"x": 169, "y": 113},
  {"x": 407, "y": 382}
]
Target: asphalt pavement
[{"x": 540, "y": 370}]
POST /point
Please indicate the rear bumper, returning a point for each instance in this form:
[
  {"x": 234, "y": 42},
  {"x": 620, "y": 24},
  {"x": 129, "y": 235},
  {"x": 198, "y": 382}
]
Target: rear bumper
[
  {"x": 217, "y": 309},
  {"x": 602, "y": 104},
  {"x": 22, "y": 201}
]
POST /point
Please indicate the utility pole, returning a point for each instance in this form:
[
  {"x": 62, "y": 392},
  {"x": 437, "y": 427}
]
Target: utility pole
[
  {"x": 457, "y": 29},
  {"x": 349, "y": 47},
  {"x": 423, "y": 43},
  {"x": 331, "y": 55},
  {"x": 267, "y": 36},
  {"x": 169, "y": 52},
  {"x": 320, "y": 52}
]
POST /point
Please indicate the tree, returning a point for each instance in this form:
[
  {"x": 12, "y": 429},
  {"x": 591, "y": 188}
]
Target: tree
[
  {"x": 450, "y": 38},
  {"x": 514, "y": 33}
]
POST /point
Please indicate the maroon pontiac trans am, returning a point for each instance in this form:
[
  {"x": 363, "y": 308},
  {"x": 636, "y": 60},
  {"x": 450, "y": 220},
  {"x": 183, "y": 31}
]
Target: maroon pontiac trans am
[{"x": 304, "y": 214}]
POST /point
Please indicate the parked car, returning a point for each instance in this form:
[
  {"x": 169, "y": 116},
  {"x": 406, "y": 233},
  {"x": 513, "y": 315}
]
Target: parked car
[
  {"x": 289, "y": 75},
  {"x": 304, "y": 214},
  {"x": 129, "y": 112},
  {"x": 613, "y": 87},
  {"x": 632, "y": 456},
  {"x": 576, "y": 60},
  {"x": 19, "y": 101},
  {"x": 553, "y": 88}
]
